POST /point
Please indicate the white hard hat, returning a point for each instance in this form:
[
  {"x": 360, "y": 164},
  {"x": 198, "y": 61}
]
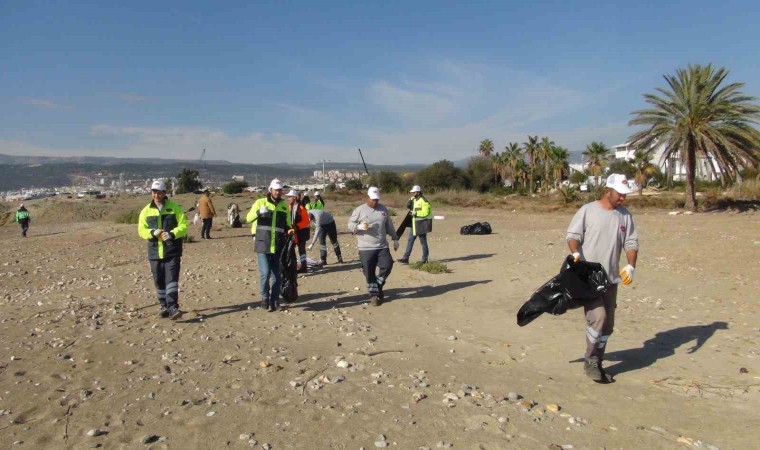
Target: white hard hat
[
  {"x": 158, "y": 185},
  {"x": 316, "y": 193},
  {"x": 21, "y": 205},
  {"x": 619, "y": 182},
  {"x": 292, "y": 193},
  {"x": 373, "y": 193},
  {"x": 275, "y": 184},
  {"x": 416, "y": 188}
]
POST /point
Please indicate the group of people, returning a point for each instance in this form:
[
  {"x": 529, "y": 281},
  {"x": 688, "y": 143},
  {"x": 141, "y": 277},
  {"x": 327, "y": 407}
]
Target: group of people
[{"x": 599, "y": 232}]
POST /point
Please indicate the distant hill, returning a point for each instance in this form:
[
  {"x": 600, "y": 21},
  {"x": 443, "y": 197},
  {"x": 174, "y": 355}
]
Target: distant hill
[{"x": 18, "y": 172}]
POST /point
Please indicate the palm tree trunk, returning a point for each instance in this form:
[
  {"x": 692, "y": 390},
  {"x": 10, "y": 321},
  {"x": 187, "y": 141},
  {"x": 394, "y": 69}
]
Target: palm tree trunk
[{"x": 691, "y": 193}]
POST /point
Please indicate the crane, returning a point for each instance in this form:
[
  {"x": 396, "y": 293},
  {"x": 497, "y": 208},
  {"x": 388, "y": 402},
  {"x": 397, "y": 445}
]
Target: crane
[{"x": 365, "y": 164}]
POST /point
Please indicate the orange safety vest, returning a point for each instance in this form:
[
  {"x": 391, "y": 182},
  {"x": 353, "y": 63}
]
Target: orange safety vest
[{"x": 301, "y": 219}]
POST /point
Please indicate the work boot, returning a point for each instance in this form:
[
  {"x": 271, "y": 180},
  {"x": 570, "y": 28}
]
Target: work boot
[
  {"x": 403, "y": 260},
  {"x": 340, "y": 260},
  {"x": 163, "y": 313},
  {"x": 324, "y": 262},
  {"x": 594, "y": 370},
  {"x": 381, "y": 294},
  {"x": 375, "y": 300},
  {"x": 175, "y": 313}
]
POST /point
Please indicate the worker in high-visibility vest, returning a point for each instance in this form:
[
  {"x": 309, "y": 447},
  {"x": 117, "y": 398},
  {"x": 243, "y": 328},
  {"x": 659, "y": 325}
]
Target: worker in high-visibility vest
[
  {"x": 299, "y": 216},
  {"x": 271, "y": 223},
  {"x": 162, "y": 223},
  {"x": 23, "y": 219},
  {"x": 422, "y": 224}
]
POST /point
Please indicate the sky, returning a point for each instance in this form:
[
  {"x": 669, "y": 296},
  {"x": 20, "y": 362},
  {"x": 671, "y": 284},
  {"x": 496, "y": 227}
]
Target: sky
[{"x": 405, "y": 81}]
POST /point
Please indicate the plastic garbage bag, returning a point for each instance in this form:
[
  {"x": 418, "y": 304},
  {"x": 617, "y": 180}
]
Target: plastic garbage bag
[
  {"x": 576, "y": 284},
  {"x": 289, "y": 267},
  {"x": 479, "y": 228}
]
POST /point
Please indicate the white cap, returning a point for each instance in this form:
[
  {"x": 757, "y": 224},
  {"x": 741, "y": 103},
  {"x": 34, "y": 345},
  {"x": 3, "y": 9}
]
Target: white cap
[
  {"x": 316, "y": 193},
  {"x": 158, "y": 185},
  {"x": 416, "y": 188},
  {"x": 292, "y": 193},
  {"x": 374, "y": 193},
  {"x": 275, "y": 184},
  {"x": 21, "y": 205},
  {"x": 619, "y": 182}
]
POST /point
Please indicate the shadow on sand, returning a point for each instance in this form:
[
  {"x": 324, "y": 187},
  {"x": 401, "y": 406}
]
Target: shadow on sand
[
  {"x": 391, "y": 295},
  {"x": 662, "y": 345}
]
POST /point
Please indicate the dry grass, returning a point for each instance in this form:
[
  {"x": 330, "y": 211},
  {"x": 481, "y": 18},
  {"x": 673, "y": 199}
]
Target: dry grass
[{"x": 746, "y": 190}]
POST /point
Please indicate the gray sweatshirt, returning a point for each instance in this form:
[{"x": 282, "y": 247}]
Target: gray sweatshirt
[
  {"x": 321, "y": 218},
  {"x": 380, "y": 225},
  {"x": 604, "y": 235}
]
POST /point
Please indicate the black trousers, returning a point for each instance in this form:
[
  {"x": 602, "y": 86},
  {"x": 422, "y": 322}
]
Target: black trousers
[
  {"x": 206, "y": 227},
  {"x": 24, "y": 226},
  {"x": 166, "y": 278},
  {"x": 376, "y": 265},
  {"x": 331, "y": 231}
]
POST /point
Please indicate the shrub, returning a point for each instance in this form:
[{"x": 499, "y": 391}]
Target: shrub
[
  {"x": 234, "y": 187},
  {"x": 434, "y": 267},
  {"x": 440, "y": 175},
  {"x": 130, "y": 217},
  {"x": 749, "y": 189},
  {"x": 354, "y": 184}
]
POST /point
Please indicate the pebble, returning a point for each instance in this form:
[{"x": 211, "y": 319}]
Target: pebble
[
  {"x": 513, "y": 396},
  {"x": 444, "y": 444},
  {"x": 451, "y": 338},
  {"x": 150, "y": 439},
  {"x": 210, "y": 413},
  {"x": 94, "y": 432},
  {"x": 553, "y": 407},
  {"x": 343, "y": 364},
  {"x": 245, "y": 436}
]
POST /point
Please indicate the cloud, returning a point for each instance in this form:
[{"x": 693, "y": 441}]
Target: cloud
[
  {"x": 42, "y": 103},
  {"x": 413, "y": 107}
]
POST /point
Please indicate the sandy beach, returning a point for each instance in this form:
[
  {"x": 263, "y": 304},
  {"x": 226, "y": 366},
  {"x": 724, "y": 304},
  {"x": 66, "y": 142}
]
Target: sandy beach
[{"x": 84, "y": 352}]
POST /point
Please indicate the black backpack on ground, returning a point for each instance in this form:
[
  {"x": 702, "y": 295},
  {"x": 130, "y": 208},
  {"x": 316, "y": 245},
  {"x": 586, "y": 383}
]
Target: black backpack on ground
[{"x": 476, "y": 228}]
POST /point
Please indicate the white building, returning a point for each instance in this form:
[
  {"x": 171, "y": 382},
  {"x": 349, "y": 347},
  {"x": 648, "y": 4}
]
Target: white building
[{"x": 666, "y": 165}]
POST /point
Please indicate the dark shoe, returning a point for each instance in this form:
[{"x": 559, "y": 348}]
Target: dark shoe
[
  {"x": 271, "y": 309},
  {"x": 594, "y": 370},
  {"x": 303, "y": 269},
  {"x": 375, "y": 301},
  {"x": 163, "y": 313},
  {"x": 381, "y": 295},
  {"x": 175, "y": 313},
  {"x": 423, "y": 261},
  {"x": 403, "y": 260},
  {"x": 324, "y": 262},
  {"x": 208, "y": 237},
  {"x": 340, "y": 260}
]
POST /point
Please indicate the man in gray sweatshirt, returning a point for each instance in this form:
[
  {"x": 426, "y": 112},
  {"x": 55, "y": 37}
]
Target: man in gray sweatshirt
[
  {"x": 599, "y": 232},
  {"x": 371, "y": 223}
]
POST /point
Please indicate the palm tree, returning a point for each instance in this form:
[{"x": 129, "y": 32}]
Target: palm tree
[
  {"x": 644, "y": 167},
  {"x": 597, "y": 156},
  {"x": 559, "y": 164},
  {"x": 545, "y": 154},
  {"x": 531, "y": 149},
  {"x": 486, "y": 148},
  {"x": 512, "y": 157},
  {"x": 696, "y": 117}
]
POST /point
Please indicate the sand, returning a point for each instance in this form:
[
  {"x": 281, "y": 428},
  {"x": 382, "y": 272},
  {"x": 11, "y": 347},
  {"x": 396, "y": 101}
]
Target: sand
[{"x": 82, "y": 348}]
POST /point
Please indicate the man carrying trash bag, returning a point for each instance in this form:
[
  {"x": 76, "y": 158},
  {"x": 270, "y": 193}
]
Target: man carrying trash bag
[{"x": 599, "y": 232}]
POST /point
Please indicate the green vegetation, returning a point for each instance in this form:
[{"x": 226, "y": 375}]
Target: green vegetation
[
  {"x": 188, "y": 181},
  {"x": 697, "y": 116},
  {"x": 440, "y": 175},
  {"x": 130, "y": 217},
  {"x": 434, "y": 267},
  {"x": 234, "y": 187}
]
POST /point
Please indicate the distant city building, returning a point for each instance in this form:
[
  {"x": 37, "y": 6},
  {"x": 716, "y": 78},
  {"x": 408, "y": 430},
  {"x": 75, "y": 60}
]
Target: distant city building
[
  {"x": 670, "y": 165},
  {"x": 238, "y": 178}
]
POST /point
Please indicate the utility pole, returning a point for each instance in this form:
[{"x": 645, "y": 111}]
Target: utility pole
[{"x": 323, "y": 175}]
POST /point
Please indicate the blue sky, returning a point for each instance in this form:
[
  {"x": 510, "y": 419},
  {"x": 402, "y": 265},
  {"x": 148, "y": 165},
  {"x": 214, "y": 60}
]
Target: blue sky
[{"x": 408, "y": 82}]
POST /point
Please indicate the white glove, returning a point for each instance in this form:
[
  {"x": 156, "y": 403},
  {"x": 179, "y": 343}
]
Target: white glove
[
  {"x": 263, "y": 210},
  {"x": 576, "y": 257},
  {"x": 395, "y": 245},
  {"x": 309, "y": 247},
  {"x": 365, "y": 226},
  {"x": 165, "y": 236},
  {"x": 156, "y": 233},
  {"x": 627, "y": 274}
]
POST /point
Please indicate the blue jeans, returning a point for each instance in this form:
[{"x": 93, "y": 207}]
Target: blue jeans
[
  {"x": 410, "y": 245},
  {"x": 269, "y": 265}
]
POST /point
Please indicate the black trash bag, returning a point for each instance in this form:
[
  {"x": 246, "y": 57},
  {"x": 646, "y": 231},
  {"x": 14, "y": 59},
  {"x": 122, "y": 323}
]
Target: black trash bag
[
  {"x": 476, "y": 228},
  {"x": 236, "y": 222},
  {"x": 407, "y": 222},
  {"x": 289, "y": 267},
  {"x": 576, "y": 284}
]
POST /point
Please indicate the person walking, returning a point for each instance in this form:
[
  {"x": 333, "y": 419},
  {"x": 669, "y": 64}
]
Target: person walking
[
  {"x": 162, "y": 223},
  {"x": 325, "y": 227},
  {"x": 23, "y": 219},
  {"x": 271, "y": 223},
  {"x": 599, "y": 232},
  {"x": 422, "y": 224},
  {"x": 318, "y": 202},
  {"x": 299, "y": 216},
  {"x": 207, "y": 213},
  {"x": 371, "y": 223}
]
